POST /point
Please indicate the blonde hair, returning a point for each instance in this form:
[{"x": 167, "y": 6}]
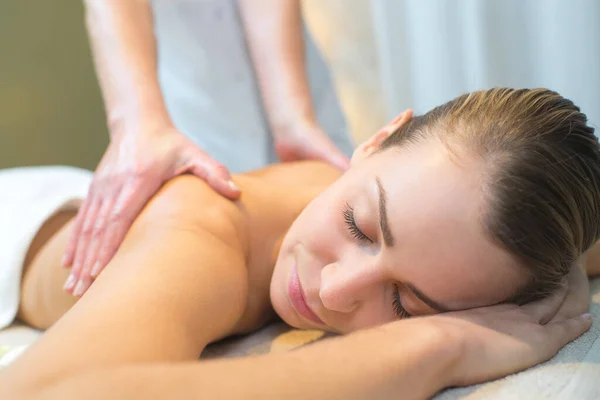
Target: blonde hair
[{"x": 541, "y": 166}]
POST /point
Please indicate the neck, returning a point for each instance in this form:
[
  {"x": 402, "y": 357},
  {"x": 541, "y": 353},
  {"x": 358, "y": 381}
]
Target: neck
[{"x": 272, "y": 199}]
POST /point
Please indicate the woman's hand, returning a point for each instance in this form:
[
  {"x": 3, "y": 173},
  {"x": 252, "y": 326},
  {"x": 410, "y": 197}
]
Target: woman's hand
[
  {"x": 307, "y": 141},
  {"x": 500, "y": 340},
  {"x": 132, "y": 169}
]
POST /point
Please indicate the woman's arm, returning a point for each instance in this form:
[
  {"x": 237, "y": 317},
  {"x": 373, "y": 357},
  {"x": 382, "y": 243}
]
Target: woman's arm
[
  {"x": 409, "y": 363},
  {"x": 176, "y": 284},
  {"x": 409, "y": 359}
]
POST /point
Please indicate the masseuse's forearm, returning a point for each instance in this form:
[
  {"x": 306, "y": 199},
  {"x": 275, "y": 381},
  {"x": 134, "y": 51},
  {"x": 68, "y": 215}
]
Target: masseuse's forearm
[
  {"x": 124, "y": 49},
  {"x": 275, "y": 38},
  {"x": 406, "y": 360}
]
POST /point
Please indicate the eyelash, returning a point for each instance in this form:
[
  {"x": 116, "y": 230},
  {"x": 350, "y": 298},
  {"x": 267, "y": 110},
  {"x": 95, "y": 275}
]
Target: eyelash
[
  {"x": 398, "y": 309},
  {"x": 351, "y": 224}
]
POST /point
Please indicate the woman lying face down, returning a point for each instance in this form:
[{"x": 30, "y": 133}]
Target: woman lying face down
[{"x": 489, "y": 198}]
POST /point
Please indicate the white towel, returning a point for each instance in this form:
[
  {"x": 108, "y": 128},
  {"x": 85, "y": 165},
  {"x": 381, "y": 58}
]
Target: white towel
[{"x": 28, "y": 197}]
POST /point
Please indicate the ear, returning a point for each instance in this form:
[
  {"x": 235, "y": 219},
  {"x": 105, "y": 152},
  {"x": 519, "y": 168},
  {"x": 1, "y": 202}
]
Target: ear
[{"x": 374, "y": 142}]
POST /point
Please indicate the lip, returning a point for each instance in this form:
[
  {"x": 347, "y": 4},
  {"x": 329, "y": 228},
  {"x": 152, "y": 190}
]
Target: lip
[{"x": 298, "y": 298}]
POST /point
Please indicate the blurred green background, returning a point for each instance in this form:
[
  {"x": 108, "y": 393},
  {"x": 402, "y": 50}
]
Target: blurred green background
[{"x": 51, "y": 109}]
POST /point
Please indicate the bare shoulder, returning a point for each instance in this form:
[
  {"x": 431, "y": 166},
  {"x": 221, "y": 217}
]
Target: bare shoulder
[
  {"x": 187, "y": 202},
  {"x": 311, "y": 173}
]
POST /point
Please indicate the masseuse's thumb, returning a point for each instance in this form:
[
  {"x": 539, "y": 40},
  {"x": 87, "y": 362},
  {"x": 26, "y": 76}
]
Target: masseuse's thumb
[
  {"x": 216, "y": 175},
  {"x": 337, "y": 159},
  {"x": 329, "y": 153}
]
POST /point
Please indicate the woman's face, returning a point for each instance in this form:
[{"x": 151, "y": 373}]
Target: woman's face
[{"x": 398, "y": 234}]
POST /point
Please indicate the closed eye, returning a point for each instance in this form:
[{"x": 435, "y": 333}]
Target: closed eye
[
  {"x": 354, "y": 230},
  {"x": 397, "y": 304}
]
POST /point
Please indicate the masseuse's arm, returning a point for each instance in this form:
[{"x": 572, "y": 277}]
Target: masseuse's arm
[
  {"x": 145, "y": 148},
  {"x": 276, "y": 41},
  {"x": 410, "y": 359}
]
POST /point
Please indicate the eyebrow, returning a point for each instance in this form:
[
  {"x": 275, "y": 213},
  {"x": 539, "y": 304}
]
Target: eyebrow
[
  {"x": 426, "y": 299},
  {"x": 388, "y": 239}
]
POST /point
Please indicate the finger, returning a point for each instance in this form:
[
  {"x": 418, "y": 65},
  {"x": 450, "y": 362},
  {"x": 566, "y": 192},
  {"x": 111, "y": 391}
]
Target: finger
[
  {"x": 578, "y": 295},
  {"x": 125, "y": 210},
  {"x": 84, "y": 240},
  {"x": 543, "y": 310},
  {"x": 563, "y": 332},
  {"x": 337, "y": 159},
  {"x": 288, "y": 153},
  {"x": 119, "y": 219},
  {"x": 328, "y": 152},
  {"x": 76, "y": 241},
  {"x": 95, "y": 244},
  {"x": 71, "y": 248},
  {"x": 217, "y": 176},
  {"x": 113, "y": 237}
]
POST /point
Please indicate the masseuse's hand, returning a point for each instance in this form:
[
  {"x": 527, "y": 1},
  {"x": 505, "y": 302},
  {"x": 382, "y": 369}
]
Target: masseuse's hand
[
  {"x": 307, "y": 141},
  {"x": 130, "y": 172},
  {"x": 499, "y": 340}
]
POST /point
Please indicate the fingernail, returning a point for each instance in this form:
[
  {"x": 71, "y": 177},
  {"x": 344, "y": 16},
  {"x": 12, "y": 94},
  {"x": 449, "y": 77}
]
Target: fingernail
[
  {"x": 63, "y": 260},
  {"x": 233, "y": 185},
  {"x": 70, "y": 282},
  {"x": 96, "y": 269},
  {"x": 586, "y": 316},
  {"x": 78, "y": 289}
]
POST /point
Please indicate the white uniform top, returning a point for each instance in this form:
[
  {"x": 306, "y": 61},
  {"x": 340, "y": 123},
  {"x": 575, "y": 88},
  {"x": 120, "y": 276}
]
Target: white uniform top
[
  {"x": 210, "y": 89},
  {"x": 432, "y": 51}
]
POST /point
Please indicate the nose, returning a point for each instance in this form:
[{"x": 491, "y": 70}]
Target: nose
[{"x": 345, "y": 285}]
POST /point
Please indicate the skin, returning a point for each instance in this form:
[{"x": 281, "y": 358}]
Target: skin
[
  {"x": 179, "y": 268},
  {"x": 349, "y": 282}
]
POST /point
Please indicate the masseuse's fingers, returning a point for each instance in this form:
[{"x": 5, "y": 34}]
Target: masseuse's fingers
[
  {"x": 83, "y": 243},
  {"x": 81, "y": 236},
  {"x": 111, "y": 229},
  {"x": 309, "y": 142},
  {"x": 214, "y": 173},
  {"x": 326, "y": 151},
  {"x": 71, "y": 249},
  {"x": 94, "y": 245}
]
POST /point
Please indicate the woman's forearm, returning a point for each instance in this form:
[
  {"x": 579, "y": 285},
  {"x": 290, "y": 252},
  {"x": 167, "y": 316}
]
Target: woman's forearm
[
  {"x": 124, "y": 49},
  {"x": 409, "y": 360},
  {"x": 275, "y": 38}
]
